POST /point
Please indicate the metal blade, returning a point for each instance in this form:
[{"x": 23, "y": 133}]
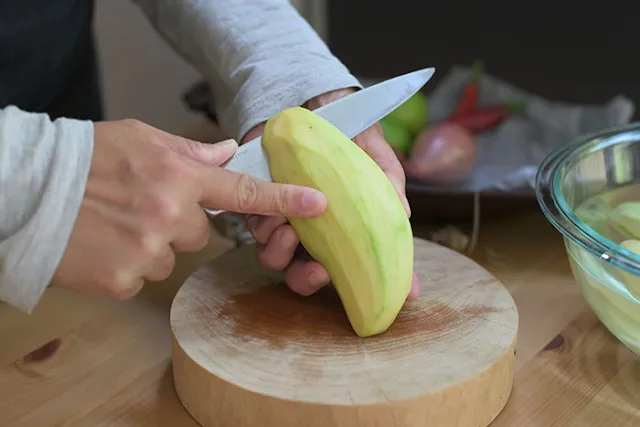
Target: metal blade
[
  {"x": 352, "y": 115},
  {"x": 359, "y": 111}
]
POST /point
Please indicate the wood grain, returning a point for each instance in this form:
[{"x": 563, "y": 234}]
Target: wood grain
[
  {"x": 248, "y": 352},
  {"x": 123, "y": 349},
  {"x": 82, "y": 361}
]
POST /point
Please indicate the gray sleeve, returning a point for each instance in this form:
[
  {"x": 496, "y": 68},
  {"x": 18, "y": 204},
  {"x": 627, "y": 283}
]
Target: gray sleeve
[
  {"x": 44, "y": 167},
  {"x": 259, "y": 56}
]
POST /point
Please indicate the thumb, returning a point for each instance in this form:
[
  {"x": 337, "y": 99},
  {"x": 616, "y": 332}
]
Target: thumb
[{"x": 211, "y": 154}]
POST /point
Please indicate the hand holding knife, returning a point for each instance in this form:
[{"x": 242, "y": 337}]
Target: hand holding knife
[
  {"x": 354, "y": 114},
  {"x": 351, "y": 114}
]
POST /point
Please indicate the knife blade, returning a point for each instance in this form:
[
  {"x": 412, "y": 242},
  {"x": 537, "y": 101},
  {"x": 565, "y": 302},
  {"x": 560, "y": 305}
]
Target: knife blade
[{"x": 351, "y": 114}]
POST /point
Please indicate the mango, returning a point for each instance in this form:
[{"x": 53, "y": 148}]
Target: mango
[
  {"x": 364, "y": 238},
  {"x": 396, "y": 135},
  {"x": 626, "y": 219},
  {"x": 412, "y": 114},
  {"x": 631, "y": 281}
]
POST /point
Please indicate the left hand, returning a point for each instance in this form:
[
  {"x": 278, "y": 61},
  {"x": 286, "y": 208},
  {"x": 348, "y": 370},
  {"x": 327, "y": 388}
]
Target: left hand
[{"x": 277, "y": 242}]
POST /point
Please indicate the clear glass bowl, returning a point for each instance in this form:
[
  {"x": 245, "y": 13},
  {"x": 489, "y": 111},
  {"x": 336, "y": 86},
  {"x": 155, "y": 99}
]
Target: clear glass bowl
[{"x": 580, "y": 188}]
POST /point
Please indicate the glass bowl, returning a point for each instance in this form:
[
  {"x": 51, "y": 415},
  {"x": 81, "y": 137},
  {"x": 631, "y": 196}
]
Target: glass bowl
[{"x": 590, "y": 191}]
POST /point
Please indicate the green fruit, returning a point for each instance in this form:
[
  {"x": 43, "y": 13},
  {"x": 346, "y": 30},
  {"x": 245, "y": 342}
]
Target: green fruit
[
  {"x": 631, "y": 281},
  {"x": 364, "y": 238},
  {"x": 412, "y": 114},
  {"x": 396, "y": 135},
  {"x": 626, "y": 218}
]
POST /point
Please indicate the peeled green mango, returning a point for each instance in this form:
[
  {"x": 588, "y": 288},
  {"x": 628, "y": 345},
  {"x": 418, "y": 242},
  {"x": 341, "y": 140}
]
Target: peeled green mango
[
  {"x": 600, "y": 285},
  {"x": 626, "y": 219},
  {"x": 364, "y": 238},
  {"x": 631, "y": 281}
]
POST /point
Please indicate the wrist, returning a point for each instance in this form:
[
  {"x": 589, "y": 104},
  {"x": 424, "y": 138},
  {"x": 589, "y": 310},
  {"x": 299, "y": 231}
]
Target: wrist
[
  {"x": 328, "y": 97},
  {"x": 311, "y": 104}
]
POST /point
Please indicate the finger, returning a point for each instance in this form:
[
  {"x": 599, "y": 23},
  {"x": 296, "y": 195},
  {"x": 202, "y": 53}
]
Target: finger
[
  {"x": 306, "y": 277},
  {"x": 193, "y": 232},
  {"x": 124, "y": 292},
  {"x": 253, "y": 221},
  {"x": 279, "y": 251},
  {"x": 162, "y": 266},
  {"x": 234, "y": 192},
  {"x": 255, "y": 132},
  {"x": 328, "y": 97},
  {"x": 373, "y": 143},
  {"x": 211, "y": 154},
  {"x": 415, "y": 288},
  {"x": 266, "y": 227}
]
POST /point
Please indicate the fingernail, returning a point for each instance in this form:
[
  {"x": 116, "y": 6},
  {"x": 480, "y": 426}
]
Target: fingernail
[
  {"x": 228, "y": 144},
  {"x": 405, "y": 203},
  {"x": 317, "y": 280},
  {"x": 415, "y": 288},
  {"x": 313, "y": 200},
  {"x": 219, "y": 152},
  {"x": 400, "y": 190}
]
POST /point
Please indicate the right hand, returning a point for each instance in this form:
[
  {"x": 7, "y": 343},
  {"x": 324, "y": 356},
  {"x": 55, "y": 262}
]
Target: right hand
[{"x": 143, "y": 201}]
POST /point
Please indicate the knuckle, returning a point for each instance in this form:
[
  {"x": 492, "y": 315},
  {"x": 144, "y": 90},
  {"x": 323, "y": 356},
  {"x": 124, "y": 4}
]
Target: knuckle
[
  {"x": 282, "y": 234},
  {"x": 127, "y": 292},
  {"x": 275, "y": 263},
  {"x": 247, "y": 193},
  {"x": 265, "y": 260},
  {"x": 192, "y": 148},
  {"x": 151, "y": 246},
  {"x": 165, "y": 211},
  {"x": 162, "y": 270},
  {"x": 169, "y": 166},
  {"x": 135, "y": 124},
  {"x": 120, "y": 285},
  {"x": 169, "y": 265},
  {"x": 196, "y": 242},
  {"x": 147, "y": 246},
  {"x": 201, "y": 240},
  {"x": 282, "y": 199}
]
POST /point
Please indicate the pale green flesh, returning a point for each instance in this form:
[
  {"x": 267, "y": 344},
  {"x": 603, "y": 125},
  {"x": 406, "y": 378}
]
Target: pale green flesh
[
  {"x": 614, "y": 294},
  {"x": 364, "y": 239}
]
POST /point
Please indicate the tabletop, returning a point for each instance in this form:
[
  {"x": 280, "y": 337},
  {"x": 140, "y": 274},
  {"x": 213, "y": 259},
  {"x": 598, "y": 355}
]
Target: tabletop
[{"x": 85, "y": 361}]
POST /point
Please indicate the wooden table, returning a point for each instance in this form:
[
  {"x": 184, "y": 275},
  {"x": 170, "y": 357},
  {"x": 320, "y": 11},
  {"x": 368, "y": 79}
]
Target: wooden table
[{"x": 81, "y": 361}]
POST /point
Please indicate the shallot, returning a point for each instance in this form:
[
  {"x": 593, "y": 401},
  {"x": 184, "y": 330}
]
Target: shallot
[{"x": 444, "y": 153}]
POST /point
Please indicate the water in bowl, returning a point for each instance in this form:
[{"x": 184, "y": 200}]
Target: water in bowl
[{"x": 613, "y": 294}]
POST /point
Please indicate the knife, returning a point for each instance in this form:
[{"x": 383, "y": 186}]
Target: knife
[{"x": 351, "y": 114}]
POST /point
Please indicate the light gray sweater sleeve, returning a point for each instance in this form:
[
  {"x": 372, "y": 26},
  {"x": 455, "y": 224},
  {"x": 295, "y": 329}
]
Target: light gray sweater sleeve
[
  {"x": 44, "y": 166},
  {"x": 259, "y": 56}
]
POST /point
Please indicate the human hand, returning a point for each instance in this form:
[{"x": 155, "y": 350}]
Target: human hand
[
  {"x": 278, "y": 245},
  {"x": 143, "y": 201}
]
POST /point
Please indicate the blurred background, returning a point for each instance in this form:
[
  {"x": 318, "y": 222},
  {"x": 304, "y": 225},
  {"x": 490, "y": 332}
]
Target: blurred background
[
  {"x": 583, "y": 56},
  {"x": 141, "y": 76},
  {"x": 578, "y": 52}
]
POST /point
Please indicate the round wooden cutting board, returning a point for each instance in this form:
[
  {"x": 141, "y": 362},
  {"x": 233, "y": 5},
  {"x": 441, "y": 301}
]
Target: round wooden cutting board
[{"x": 248, "y": 352}]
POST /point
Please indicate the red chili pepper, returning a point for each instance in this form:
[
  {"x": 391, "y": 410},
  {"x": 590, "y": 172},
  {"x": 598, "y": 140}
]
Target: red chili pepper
[
  {"x": 485, "y": 118},
  {"x": 469, "y": 98}
]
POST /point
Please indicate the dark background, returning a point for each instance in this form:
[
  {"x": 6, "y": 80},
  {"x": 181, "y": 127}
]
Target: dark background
[
  {"x": 584, "y": 52},
  {"x": 570, "y": 51}
]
